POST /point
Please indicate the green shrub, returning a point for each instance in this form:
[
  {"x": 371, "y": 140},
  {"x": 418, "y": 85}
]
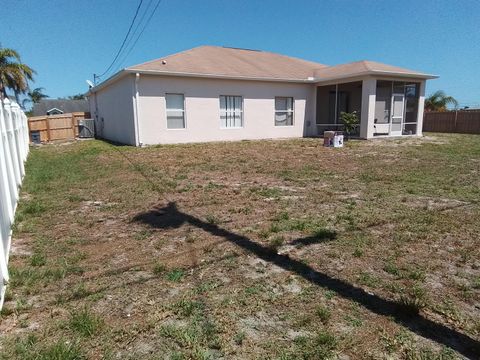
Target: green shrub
[{"x": 350, "y": 122}]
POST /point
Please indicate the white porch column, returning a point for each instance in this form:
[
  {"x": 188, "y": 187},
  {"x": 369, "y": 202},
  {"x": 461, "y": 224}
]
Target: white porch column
[
  {"x": 421, "y": 106},
  {"x": 369, "y": 90}
]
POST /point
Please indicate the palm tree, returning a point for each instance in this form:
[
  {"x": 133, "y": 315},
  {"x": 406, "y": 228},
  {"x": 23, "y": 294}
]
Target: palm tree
[
  {"x": 439, "y": 101},
  {"x": 14, "y": 75},
  {"x": 34, "y": 96}
]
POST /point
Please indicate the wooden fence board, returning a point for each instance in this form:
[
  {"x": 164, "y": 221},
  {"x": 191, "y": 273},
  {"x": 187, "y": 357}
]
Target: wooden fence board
[
  {"x": 57, "y": 127},
  {"x": 452, "y": 122}
]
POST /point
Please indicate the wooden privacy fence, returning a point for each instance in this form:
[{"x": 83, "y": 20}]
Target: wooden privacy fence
[
  {"x": 56, "y": 127},
  {"x": 13, "y": 153},
  {"x": 467, "y": 122}
]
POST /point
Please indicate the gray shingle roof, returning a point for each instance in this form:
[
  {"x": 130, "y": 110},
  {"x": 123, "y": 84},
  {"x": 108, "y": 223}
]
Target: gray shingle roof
[{"x": 67, "y": 106}]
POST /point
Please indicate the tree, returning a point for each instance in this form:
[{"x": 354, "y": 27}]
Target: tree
[
  {"x": 14, "y": 75},
  {"x": 439, "y": 101},
  {"x": 76, "y": 97},
  {"x": 34, "y": 96}
]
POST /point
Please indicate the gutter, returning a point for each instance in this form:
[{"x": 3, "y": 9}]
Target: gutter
[
  {"x": 124, "y": 72},
  {"x": 376, "y": 73},
  {"x": 309, "y": 80},
  {"x": 220, "y": 76}
]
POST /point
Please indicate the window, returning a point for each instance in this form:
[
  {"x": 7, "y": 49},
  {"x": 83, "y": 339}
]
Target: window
[
  {"x": 231, "y": 111},
  {"x": 283, "y": 111},
  {"x": 175, "y": 111}
]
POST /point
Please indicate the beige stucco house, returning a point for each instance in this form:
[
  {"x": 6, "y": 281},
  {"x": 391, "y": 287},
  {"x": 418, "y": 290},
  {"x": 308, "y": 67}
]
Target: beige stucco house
[{"x": 214, "y": 93}]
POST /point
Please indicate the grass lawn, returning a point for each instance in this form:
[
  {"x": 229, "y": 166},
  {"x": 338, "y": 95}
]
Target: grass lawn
[{"x": 248, "y": 250}]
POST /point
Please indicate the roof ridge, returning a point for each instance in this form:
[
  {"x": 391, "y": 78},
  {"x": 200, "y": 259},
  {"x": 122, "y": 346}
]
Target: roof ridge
[
  {"x": 168, "y": 56},
  {"x": 264, "y": 52},
  {"x": 293, "y": 57},
  {"x": 364, "y": 63},
  {"x": 313, "y": 63},
  {"x": 239, "y": 48}
]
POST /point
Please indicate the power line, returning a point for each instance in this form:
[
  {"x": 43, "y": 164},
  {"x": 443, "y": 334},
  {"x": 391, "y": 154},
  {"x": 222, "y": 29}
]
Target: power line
[
  {"x": 134, "y": 33},
  {"x": 124, "y": 40},
  {"x": 143, "y": 29}
]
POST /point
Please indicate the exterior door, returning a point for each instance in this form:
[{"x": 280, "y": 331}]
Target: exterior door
[{"x": 398, "y": 106}]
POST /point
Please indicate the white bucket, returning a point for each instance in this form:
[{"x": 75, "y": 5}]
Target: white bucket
[{"x": 338, "y": 141}]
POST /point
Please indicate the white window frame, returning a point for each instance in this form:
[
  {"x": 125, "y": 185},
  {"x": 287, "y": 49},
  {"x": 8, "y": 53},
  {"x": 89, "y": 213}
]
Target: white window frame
[
  {"x": 242, "y": 121},
  {"x": 184, "y": 113},
  {"x": 292, "y": 111}
]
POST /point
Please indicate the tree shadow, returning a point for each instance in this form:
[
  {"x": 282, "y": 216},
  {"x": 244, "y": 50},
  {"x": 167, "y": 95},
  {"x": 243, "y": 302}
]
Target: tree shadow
[
  {"x": 318, "y": 237},
  {"x": 169, "y": 217}
]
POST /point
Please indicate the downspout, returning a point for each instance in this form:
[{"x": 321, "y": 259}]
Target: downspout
[
  {"x": 96, "y": 121},
  {"x": 137, "y": 98}
]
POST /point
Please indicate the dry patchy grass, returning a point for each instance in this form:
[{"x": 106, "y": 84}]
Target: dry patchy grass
[{"x": 255, "y": 249}]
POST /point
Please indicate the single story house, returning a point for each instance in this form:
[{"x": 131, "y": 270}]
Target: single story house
[
  {"x": 59, "y": 106},
  {"x": 212, "y": 93}
]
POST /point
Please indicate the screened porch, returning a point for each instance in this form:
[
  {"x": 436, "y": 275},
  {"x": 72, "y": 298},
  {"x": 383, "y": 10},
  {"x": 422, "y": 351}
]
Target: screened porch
[{"x": 384, "y": 107}]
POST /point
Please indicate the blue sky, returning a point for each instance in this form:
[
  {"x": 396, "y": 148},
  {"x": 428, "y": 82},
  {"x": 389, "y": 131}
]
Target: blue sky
[{"x": 66, "y": 41}]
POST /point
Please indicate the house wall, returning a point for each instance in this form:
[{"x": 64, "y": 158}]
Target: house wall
[
  {"x": 113, "y": 110},
  {"x": 202, "y": 109}
]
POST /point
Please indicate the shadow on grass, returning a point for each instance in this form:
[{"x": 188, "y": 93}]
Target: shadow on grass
[
  {"x": 170, "y": 217},
  {"x": 318, "y": 237}
]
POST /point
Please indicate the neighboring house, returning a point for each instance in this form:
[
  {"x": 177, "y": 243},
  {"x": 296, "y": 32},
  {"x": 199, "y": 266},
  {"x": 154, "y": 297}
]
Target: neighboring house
[
  {"x": 59, "y": 106},
  {"x": 214, "y": 93}
]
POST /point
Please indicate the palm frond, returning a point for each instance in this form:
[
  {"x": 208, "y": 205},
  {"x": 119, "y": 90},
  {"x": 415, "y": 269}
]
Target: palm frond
[
  {"x": 14, "y": 75},
  {"x": 439, "y": 101},
  {"x": 6, "y": 53}
]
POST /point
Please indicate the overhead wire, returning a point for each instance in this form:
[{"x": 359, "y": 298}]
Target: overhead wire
[
  {"x": 134, "y": 34},
  {"x": 141, "y": 32},
  {"x": 123, "y": 42}
]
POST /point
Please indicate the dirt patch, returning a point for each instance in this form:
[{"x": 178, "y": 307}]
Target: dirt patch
[{"x": 429, "y": 203}]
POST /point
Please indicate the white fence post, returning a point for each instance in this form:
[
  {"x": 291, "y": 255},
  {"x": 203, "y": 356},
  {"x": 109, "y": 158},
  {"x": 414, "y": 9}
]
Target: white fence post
[
  {"x": 14, "y": 146},
  {"x": 16, "y": 125},
  {"x": 12, "y": 141},
  {"x": 10, "y": 175},
  {"x": 6, "y": 208}
]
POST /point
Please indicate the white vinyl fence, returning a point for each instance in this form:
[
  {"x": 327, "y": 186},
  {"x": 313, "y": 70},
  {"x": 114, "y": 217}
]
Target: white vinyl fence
[{"x": 14, "y": 142}]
